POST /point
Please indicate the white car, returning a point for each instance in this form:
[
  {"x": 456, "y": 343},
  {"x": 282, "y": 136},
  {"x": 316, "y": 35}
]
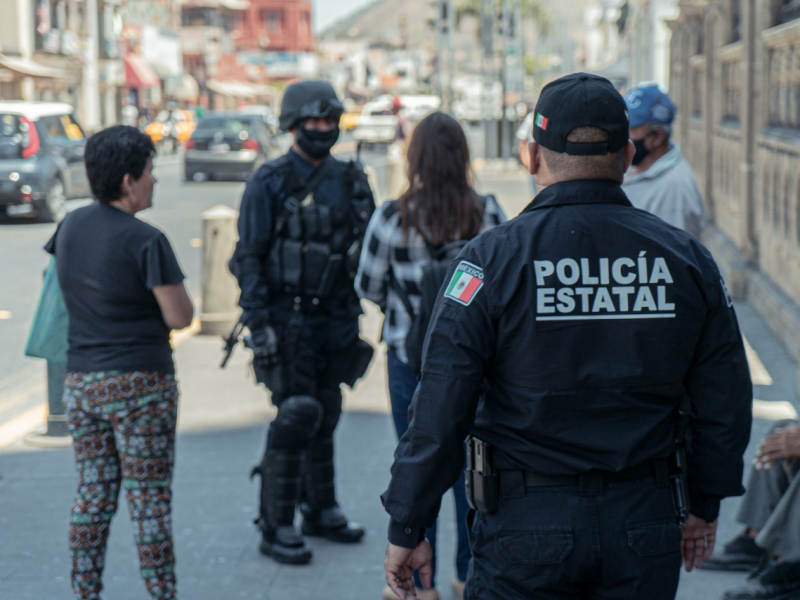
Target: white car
[{"x": 376, "y": 124}]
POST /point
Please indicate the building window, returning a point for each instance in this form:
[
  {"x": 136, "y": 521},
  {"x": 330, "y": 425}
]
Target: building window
[
  {"x": 273, "y": 20},
  {"x": 789, "y": 10},
  {"x": 736, "y": 20}
]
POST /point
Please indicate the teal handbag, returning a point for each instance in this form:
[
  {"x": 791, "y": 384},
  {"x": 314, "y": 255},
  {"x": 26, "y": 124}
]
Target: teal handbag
[{"x": 48, "y": 336}]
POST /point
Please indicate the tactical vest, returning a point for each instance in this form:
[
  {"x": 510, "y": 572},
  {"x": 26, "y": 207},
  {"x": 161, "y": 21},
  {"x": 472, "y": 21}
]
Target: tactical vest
[{"x": 315, "y": 256}]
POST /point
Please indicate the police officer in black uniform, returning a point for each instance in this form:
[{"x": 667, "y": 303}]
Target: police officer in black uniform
[
  {"x": 587, "y": 322},
  {"x": 302, "y": 220}
]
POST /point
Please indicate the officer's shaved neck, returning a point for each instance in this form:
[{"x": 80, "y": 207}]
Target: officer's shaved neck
[{"x": 551, "y": 167}]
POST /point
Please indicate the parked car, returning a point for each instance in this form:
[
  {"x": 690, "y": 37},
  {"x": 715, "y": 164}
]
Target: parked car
[
  {"x": 41, "y": 159},
  {"x": 376, "y": 124},
  {"x": 227, "y": 144},
  {"x": 173, "y": 126},
  {"x": 265, "y": 112}
]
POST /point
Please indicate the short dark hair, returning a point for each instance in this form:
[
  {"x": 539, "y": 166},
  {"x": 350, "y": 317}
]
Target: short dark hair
[
  {"x": 113, "y": 153},
  {"x": 572, "y": 166}
]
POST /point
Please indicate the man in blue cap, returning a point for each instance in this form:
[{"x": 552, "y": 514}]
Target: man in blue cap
[{"x": 660, "y": 180}]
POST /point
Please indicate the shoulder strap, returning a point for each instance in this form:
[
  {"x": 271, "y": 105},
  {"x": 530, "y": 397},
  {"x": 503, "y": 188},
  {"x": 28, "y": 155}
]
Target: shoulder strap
[
  {"x": 293, "y": 201},
  {"x": 402, "y": 294}
]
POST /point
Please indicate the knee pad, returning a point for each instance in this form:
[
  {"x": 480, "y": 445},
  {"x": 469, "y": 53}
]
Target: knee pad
[{"x": 297, "y": 422}]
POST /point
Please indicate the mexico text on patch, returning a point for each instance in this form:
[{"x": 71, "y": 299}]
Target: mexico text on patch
[{"x": 465, "y": 283}]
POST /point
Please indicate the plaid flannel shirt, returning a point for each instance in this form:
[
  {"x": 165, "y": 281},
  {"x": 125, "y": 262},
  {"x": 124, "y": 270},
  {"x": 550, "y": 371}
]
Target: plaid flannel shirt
[{"x": 387, "y": 250}]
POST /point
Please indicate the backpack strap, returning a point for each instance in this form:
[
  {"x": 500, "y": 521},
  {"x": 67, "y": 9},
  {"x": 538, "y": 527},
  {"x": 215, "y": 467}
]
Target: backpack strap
[{"x": 398, "y": 289}]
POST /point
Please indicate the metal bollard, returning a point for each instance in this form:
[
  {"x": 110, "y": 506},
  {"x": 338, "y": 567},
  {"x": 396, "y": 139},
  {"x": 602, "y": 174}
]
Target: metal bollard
[
  {"x": 397, "y": 176},
  {"x": 56, "y": 417},
  {"x": 220, "y": 291}
]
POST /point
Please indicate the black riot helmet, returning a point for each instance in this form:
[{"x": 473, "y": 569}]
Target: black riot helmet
[{"x": 309, "y": 100}]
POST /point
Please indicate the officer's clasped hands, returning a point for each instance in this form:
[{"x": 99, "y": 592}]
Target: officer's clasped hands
[{"x": 400, "y": 564}]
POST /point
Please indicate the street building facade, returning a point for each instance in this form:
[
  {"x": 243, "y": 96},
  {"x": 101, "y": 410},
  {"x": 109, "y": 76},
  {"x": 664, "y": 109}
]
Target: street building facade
[{"x": 735, "y": 80}]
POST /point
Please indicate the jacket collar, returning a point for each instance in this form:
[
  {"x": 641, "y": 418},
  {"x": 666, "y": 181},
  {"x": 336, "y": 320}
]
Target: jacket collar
[{"x": 582, "y": 191}]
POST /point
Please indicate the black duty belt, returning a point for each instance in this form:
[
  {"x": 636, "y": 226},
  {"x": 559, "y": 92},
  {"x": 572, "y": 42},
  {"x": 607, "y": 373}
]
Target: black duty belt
[
  {"x": 657, "y": 468},
  {"x": 309, "y": 304}
]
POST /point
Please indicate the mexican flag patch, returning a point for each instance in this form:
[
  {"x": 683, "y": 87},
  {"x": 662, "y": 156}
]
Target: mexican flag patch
[{"x": 465, "y": 284}]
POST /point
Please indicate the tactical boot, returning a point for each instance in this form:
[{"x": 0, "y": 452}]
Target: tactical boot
[
  {"x": 740, "y": 554},
  {"x": 280, "y": 488},
  {"x": 322, "y": 516},
  {"x": 776, "y": 581}
]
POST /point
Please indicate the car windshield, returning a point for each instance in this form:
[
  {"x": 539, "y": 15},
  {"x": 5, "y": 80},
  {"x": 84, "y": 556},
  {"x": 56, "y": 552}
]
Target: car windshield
[{"x": 226, "y": 124}]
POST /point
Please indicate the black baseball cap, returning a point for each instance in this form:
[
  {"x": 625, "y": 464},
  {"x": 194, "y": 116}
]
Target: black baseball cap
[{"x": 580, "y": 100}]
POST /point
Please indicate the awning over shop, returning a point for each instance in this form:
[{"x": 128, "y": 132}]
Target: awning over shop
[
  {"x": 183, "y": 87},
  {"x": 240, "y": 89},
  {"x": 29, "y": 68},
  {"x": 138, "y": 74},
  {"x": 231, "y": 4}
]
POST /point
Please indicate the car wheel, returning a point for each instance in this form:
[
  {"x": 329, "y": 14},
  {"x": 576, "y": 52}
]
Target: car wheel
[{"x": 54, "y": 207}]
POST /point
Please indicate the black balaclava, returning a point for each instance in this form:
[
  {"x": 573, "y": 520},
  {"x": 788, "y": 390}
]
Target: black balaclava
[{"x": 317, "y": 144}]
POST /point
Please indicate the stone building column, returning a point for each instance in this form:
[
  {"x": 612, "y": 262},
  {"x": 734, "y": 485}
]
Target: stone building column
[{"x": 751, "y": 35}]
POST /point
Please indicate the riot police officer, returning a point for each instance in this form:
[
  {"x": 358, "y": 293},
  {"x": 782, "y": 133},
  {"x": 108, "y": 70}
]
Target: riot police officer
[
  {"x": 302, "y": 220},
  {"x": 588, "y": 323}
]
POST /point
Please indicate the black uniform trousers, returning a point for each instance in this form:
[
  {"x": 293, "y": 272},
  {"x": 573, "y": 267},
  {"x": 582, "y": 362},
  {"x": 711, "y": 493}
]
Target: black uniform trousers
[
  {"x": 323, "y": 352},
  {"x": 615, "y": 541}
]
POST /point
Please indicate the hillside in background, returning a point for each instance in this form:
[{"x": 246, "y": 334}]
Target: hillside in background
[{"x": 387, "y": 21}]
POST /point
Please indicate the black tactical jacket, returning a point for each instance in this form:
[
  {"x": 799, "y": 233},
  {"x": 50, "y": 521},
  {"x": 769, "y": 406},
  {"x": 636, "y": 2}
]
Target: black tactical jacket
[
  {"x": 590, "y": 321},
  {"x": 270, "y": 269}
]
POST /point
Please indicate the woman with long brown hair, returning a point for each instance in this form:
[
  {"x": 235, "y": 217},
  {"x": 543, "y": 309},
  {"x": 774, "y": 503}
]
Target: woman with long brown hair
[{"x": 439, "y": 207}]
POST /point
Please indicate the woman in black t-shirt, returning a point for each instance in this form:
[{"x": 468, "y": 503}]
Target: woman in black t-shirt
[{"x": 124, "y": 292}]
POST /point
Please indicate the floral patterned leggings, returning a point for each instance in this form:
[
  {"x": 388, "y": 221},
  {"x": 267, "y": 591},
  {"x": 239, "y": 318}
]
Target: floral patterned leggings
[{"x": 123, "y": 431}]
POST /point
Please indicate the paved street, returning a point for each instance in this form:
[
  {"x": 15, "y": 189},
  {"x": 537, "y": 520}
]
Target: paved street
[{"x": 221, "y": 432}]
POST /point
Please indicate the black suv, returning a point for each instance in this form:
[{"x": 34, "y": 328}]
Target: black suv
[{"x": 41, "y": 159}]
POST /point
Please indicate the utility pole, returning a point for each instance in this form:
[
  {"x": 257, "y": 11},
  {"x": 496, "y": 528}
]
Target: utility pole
[
  {"x": 90, "y": 79},
  {"x": 488, "y": 70},
  {"x": 511, "y": 32},
  {"x": 505, "y": 32},
  {"x": 451, "y": 54},
  {"x": 445, "y": 22}
]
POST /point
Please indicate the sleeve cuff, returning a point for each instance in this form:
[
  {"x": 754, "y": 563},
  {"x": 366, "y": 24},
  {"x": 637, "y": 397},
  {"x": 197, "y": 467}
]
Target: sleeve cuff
[
  {"x": 404, "y": 535},
  {"x": 704, "y": 506}
]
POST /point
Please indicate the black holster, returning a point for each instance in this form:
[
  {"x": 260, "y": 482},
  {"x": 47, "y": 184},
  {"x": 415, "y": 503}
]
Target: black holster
[
  {"x": 273, "y": 377},
  {"x": 677, "y": 462},
  {"x": 481, "y": 481}
]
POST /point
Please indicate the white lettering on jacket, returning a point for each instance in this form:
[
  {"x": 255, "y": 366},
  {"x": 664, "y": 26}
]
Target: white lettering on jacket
[{"x": 636, "y": 287}]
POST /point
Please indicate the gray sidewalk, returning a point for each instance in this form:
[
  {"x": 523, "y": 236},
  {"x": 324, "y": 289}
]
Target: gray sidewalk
[{"x": 222, "y": 424}]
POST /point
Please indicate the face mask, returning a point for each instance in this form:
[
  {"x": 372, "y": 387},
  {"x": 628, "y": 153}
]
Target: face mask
[
  {"x": 641, "y": 152},
  {"x": 317, "y": 144}
]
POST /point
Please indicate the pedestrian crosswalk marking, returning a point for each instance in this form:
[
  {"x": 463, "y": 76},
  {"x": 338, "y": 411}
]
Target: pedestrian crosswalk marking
[
  {"x": 758, "y": 372},
  {"x": 773, "y": 410}
]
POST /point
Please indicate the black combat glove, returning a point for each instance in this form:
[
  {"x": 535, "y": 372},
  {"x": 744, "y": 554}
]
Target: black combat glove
[
  {"x": 264, "y": 343},
  {"x": 255, "y": 317}
]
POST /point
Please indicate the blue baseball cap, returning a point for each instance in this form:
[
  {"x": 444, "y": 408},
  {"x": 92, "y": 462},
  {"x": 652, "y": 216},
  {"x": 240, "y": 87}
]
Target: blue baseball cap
[{"x": 648, "y": 104}]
